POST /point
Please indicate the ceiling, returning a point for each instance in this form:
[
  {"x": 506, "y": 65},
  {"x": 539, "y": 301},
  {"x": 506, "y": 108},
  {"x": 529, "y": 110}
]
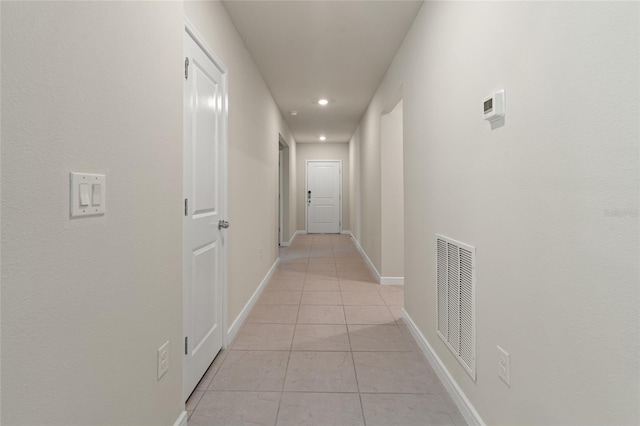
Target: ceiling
[{"x": 308, "y": 50}]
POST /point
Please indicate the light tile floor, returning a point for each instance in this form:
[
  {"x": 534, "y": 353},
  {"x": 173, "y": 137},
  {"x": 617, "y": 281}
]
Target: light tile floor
[{"x": 324, "y": 345}]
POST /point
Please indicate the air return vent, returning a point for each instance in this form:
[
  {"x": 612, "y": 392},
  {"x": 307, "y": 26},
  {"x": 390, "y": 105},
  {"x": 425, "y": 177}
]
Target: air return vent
[{"x": 456, "y": 300}]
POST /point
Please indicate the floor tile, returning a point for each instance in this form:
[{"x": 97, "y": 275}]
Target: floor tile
[
  {"x": 331, "y": 276},
  {"x": 321, "y": 338},
  {"x": 452, "y": 409},
  {"x": 193, "y": 401},
  {"x": 269, "y": 337},
  {"x": 368, "y": 297},
  {"x": 396, "y": 313},
  {"x": 252, "y": 371},
  {"x": 321, "y": 372},
  {"x": 379, "y": 337},
  {"x": 321, "y": 298},
  {"x": 368, "y": 315},
  {"x": 294, "y": 259},
  {"x": 280, "y": 298},
  {"x": 236, "y": 408},
  {"x": 404, "y": 410},
  {"x": 321, "y": 260},
  {"x": 322, "y": 267},
  {"x": 349, "y": 258},
  {"x": 359, "y": 274},
  {"x": 285, "y": 285},
  {"x": 288, "y": 271},
  {"x": 393, "y": 372},
  {"x": 357, "y": 285},
  {"x": 392, "y": 297},
  {"x": 321, "y": 285},
  {"x": 320, "y": 409},
  {"x": 316, "y": 314},
  {"x": 212, "y": 370},
  {"x": 273, "y": 314}
]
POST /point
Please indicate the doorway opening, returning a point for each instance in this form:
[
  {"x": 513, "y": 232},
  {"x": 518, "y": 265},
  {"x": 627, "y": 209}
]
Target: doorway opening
[
  {"x": 283, "y": 192},
  {"x": 392, "y": 195}
]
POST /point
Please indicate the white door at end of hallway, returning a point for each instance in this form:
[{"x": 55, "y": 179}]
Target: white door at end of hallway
[
  {"x": 204, "y": 97},
  {"x": 323, "y": 197}
]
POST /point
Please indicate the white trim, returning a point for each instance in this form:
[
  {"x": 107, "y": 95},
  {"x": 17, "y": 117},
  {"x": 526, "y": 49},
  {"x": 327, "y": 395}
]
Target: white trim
[
  {"x": 239, "y": 321},
  {"x": 280, "y": 197},
  {"x": 182, "y": 419},
  {"x": 391, "y": 280},
  {"x": 306, "y": 189},
  {"x": 467, "y": 409},
  {"x": 379, "y": 278},
  {"x": 288, "y": 243},
  {"x": 376, "y": 274}
]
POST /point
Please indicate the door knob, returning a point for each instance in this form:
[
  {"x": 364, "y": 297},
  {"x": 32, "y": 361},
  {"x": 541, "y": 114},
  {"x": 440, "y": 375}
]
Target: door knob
[{"x": 223, "y": 224}]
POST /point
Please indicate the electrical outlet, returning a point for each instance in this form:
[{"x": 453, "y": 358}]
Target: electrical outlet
[
  {"x": 163, "y": 360},
  {"x": 260, "y": 252},
  {"x": 504, "y": 368}
]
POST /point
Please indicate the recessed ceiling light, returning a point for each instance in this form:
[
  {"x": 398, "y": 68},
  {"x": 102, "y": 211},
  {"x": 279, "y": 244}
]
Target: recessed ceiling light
[
  {"x": 294, "y": 113},
  {"x": 323, "y": 138},
  {"x": 323, "y": 101}
]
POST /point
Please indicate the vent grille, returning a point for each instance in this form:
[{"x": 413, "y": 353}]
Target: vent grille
[{"x": 456, "y": 326}]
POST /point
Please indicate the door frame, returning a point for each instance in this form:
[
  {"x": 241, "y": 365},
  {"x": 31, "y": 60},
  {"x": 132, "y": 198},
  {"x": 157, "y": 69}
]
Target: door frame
[
  {"x": 280, "y": 196},
  {"x": 306, "y": 189},
  {"x": 190, "y": 30}
]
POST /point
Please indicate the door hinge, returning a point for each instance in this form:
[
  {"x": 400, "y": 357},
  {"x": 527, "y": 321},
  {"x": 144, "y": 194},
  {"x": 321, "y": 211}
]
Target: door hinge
[
  {"x": 186, "y": 346},
  {"x": 186, "y": 207},
  {"x": 186, "y": 68}
]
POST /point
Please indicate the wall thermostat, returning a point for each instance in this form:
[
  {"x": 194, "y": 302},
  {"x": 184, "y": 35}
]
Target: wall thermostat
[{"x": 493, "y": 106}]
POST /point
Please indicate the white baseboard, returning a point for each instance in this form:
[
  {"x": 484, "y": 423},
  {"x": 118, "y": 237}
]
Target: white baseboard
[
  {"x": 391, "y": 280},
  {"x": 288, "y": 243},
  {"x": 233, "y": 330},
  {"x": 182, "y": 419},
  {"x": 462, "y": 402},
  {"x": 345, "y": 232},
  {"x": 376, "y": 274}
]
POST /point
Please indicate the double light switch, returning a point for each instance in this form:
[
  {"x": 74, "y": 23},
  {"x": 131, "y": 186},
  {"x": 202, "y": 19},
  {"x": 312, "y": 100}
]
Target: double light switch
[{"x": 87, "y": 194}]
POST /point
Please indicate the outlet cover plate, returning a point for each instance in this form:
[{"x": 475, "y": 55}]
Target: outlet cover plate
[
  {"x": 163, "y": 360},
  {"x": 504, "y": 367}
]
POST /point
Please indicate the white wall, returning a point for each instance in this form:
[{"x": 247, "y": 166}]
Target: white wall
[
  {"x": 355, "y": 191},
  {"x": 86, "y": 303},
  {"x": 322, "y": 151},
  {"x": 392, "y": 194},
  {"x": 254, "y": 125},
  {"x": 550, "y": 200}
]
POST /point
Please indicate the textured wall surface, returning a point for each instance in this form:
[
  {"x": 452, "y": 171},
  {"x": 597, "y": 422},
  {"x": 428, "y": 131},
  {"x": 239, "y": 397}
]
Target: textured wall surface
[
  {"x": 550, "y": 200},
  {"x": 86, "y": 303}
]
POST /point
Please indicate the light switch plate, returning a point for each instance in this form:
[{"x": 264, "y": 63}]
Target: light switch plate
[{"x": 75, "y": 207}]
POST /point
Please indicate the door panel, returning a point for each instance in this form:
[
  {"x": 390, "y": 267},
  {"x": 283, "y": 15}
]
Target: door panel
[
  {"x": 323, "y": 203},
  {"x": 202, "y": 275}
]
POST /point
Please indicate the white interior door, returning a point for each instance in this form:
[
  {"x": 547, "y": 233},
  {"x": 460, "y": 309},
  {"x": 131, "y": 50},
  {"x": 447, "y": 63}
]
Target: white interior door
[
  {"x": 204, "y": 132},
  {"x": 323, "y": 197}
]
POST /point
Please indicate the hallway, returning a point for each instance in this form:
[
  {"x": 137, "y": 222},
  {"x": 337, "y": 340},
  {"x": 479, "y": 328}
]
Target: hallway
[{"x": 324, "y": 345}]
